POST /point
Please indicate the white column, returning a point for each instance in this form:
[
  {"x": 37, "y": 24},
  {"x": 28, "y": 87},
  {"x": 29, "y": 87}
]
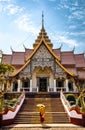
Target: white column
[
  {"x": 54, "y": 85},
  {"x": 21, "y": 87},
  {"x": 11, "y": 89},
  {"x": 67, "y": 85},
  {"x": 64, "y": 86},
  {"x": 30, "y": 85},
  {"x": 18, "y": 85},
  {"x": 74, "y": 87},
  {"x": 3, "y": 87}
]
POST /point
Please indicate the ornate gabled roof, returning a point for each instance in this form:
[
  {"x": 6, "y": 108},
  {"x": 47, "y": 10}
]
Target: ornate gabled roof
[
  {"x": 42, "y": 41},
  {"x": 50, "y": 50}
]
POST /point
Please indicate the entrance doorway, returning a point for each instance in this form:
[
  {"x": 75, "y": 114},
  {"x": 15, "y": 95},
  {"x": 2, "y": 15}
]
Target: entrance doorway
[{"x": 43, "y": 84}]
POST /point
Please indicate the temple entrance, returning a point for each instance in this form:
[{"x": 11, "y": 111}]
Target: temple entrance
[{"x": 43, "y": 84}]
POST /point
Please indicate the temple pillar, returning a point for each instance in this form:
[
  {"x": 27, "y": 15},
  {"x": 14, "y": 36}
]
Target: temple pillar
[
  {"x": 54, "y": 85},
  {"x": 51, "y": 84},
  {"x": 11, "y": 89},
  {"x": 67, "y": 85},
  {"x": 3, "y": 87},
  {"x": 7, "y": 86},
  {"x": 74, "y": 87},
  {"x": 30, "y": 85},
  {"x": 18, "y": 85}
]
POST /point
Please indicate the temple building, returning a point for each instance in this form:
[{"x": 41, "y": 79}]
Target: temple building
[{"x": 46, "y": 69}]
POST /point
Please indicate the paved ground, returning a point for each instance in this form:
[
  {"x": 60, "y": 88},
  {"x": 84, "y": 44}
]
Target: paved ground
[{"x": 43, "y": 127}]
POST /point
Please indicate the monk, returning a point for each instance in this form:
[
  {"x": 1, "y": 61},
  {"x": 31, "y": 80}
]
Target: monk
[{"x": 42, "y": 114}]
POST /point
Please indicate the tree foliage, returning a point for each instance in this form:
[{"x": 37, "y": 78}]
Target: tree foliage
[
  {"x": 5, "y": 71},
  {"x": 6, "y": 68}
]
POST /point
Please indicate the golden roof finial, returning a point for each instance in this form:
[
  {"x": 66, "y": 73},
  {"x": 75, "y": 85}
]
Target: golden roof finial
[{"x": 42, "y": 20}]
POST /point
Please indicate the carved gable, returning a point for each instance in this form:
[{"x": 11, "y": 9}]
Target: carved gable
[
  {"x": 42, "y": 58},
  {"x": 42, "y": 52}
]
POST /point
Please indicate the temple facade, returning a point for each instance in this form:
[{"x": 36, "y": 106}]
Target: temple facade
[{"x": 45, "y": 69}]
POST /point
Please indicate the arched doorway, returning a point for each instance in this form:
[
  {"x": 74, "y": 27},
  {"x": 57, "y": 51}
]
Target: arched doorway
[
  {"x": 42, "y": 79},
  {"x": 42, "y": 83}
]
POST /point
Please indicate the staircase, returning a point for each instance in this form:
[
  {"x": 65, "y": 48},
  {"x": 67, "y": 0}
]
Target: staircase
[{"x": 29, "y": 112}]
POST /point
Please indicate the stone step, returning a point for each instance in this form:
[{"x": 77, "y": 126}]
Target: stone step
[
  {"x": 29, "y": 112},
  {"x": 36, "y": 119},
  {"x": 42, "y": 94}
]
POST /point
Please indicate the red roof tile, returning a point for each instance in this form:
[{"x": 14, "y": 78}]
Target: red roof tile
[
  {"x": 6, "y": 58},
  {"x": 81, "y": 74},
  {"x": 67, "y": 58},
  {"x": 80, "y": 61},
  {"x": 18, "y": 58}
]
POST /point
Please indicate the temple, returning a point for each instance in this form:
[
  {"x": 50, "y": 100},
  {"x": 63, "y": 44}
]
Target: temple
[{"x": 44, "y": 68}]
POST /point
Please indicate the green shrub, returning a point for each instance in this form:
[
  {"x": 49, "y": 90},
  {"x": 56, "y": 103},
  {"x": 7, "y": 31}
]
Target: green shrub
[
  {"x": 79, "y": 102},
  {"x": 71, "y": 99}
]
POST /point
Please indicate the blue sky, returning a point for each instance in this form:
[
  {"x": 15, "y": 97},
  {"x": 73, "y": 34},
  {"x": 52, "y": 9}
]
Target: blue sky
[{"x": 21, "y": 21}]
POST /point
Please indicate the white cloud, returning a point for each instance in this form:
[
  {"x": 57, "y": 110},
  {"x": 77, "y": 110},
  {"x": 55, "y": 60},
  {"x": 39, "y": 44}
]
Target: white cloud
[
  {"x": 62, "y": 6},
  {"x": 13, "y": 9},
  {"x": 78, "y": 14},
  {"x": 82, "y": 33},
  {"x": 4, "y": 0},
  {"x": 76, "y": 3},
  {"x": 1, "y": 8},
  {"x": 64, "y": 39},
  {"x": 72, "y": 26},
  {"x": 68, "y": 41},
  {"x": 83, "y": 22},
  {"x": 24, "y": 23}
]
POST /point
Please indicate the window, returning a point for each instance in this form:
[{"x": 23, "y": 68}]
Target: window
[
  {"x": 59, "y": 83},
  {"x": 26, "y": 83},
  {"x": 15, "y": 86},
  {"x": 70, "y": 86}
]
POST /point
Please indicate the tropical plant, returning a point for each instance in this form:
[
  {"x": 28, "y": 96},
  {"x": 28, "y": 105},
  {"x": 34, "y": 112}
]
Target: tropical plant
[
  {"x": 5, "y": 72},
  {"x": 71, "y": 99},
  {"x": 81, "y": 101}
]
